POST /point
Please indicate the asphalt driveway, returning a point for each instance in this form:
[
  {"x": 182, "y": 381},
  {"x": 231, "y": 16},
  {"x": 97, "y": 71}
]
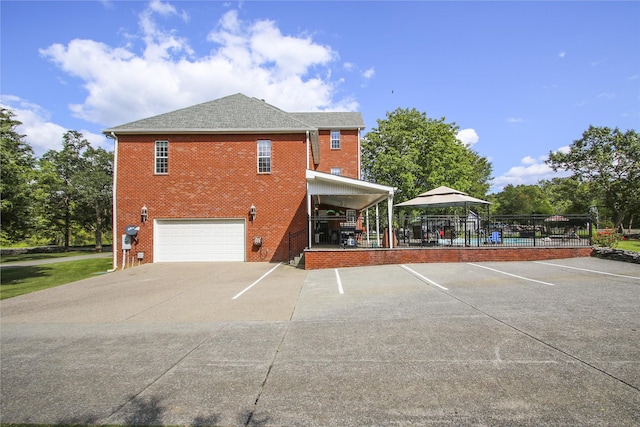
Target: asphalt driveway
[{"x": 235, "y": 344}]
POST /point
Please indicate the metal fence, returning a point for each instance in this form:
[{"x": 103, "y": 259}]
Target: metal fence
[
  {"x": 444, "y": 231},
  {"x": 298, "y": 241},
  {"x": 500, "y": 230}
]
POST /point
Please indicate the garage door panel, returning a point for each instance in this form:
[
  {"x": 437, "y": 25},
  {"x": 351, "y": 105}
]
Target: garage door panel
[{"x": 199, "y": 240}]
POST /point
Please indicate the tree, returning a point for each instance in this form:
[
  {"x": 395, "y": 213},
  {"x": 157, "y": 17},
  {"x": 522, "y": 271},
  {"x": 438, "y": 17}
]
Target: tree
[
  {"x": 75, "y": 187},
  {"x": 522, "y": 199},
  {"x": 17, "y": 160},
  {"x": 94, "y": 190},
  {"x": 414, "y": 154},
  {"x": 609, "y": 160},
  {"x": 568, "y": 195}
]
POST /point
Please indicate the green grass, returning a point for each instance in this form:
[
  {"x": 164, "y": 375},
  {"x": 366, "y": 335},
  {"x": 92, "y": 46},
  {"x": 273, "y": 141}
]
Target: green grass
[
  {"x": 23, "y": 280},
  {"x": 31, "y": 257},
  {"x": 629, "y": 245}
]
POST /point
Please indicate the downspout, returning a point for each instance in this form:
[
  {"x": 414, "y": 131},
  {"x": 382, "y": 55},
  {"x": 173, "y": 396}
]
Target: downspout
[
  {"x": 114, "y": 244},
  {"x": 309, "y": 230},
  {"x": 359, "y": 156},
  {"x": 308, "y": 143}
]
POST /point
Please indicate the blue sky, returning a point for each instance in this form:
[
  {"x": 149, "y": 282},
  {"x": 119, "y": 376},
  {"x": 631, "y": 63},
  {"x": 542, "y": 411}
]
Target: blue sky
[{"x": 520, "y": 79}]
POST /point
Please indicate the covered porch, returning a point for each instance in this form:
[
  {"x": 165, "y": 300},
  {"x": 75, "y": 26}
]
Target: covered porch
[{"x": 339, "y": 212}]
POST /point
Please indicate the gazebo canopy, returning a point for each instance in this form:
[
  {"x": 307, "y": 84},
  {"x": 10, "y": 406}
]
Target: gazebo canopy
[{"x": 442, "y": 197}]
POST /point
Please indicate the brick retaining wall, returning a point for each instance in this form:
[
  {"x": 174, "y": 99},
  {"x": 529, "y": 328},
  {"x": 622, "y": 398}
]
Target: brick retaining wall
[{"x": 336, "y": 258}]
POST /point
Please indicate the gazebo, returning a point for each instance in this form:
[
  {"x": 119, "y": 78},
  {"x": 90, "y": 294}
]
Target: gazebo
[{"x": 444, "y": 197}]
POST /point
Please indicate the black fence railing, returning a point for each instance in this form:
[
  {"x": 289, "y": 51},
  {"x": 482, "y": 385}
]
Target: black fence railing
[
  {"x": 504, "y": 230},
  {"x": 298, "y": 241},
  {"x": 472, "y": 230}
]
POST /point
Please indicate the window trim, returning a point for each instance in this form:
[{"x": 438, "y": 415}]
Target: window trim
[
  {"x": 260, "y": 157},
  {"x": 332, "y": 140},
  {"x": 156, "y": 157}
]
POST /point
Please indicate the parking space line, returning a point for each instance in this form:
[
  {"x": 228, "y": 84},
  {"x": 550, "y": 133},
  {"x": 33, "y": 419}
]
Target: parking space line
[
  {"x": 590, "y": 271},
  {"x": 424, "y": 279},
  {"x": 512, "y": 275},
  {"x": 256, "y": 282},
  {"x": 340, "y": 289}
]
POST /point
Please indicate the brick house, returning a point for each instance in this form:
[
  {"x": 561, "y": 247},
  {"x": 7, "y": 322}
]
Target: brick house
[{"x": 231, "y": 179}]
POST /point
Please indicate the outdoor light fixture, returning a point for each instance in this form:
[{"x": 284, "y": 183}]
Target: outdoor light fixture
[
  {"x": 252, "y": 212},
  {"x": 144, "y": 214}
]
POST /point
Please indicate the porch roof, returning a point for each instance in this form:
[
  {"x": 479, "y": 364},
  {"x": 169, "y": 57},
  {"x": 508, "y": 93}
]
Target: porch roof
[{"x": 345, "y": 192}]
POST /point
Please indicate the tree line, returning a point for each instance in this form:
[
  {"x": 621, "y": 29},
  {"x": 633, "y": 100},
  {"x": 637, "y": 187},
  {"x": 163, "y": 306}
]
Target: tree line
[
  {"x": 63, "y": 195},
  {"x": 67, "y": 194},
  {"x": 415, "y": 153}
]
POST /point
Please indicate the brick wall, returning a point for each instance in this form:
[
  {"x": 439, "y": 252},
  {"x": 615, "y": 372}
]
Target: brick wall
[
  {"x": 345, "y": 158},
  {"x": 214, "y": 176},
  {"x": 318, "y": 259}
]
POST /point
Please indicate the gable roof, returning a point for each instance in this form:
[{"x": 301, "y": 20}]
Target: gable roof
[{"x": 238, "y": 114}]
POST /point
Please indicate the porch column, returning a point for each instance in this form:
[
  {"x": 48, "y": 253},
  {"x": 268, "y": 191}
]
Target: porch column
[
  {"x": 377, "y": 225},
  {"x": 390, "y": 214},
  {"x": 309, "y": 222}
]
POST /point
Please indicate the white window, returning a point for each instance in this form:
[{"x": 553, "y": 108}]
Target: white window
[
  {"x": 264, "y": 156},
  {"x": 336, "y": 171},
  {"x": 335, "y": 139},
  {"x": 162, "y": 157}
]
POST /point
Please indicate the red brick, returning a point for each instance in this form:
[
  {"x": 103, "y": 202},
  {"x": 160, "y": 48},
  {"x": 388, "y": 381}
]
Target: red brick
[{"x": 334, "y": 258}]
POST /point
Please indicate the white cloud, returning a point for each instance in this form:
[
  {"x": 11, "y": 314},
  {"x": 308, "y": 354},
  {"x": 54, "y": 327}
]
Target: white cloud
[
  {"x": 562, "y": 54},
  {"x": 529, "y": 172},
  {"x": 514, "y": 120},
  {"x": 255, "y": 58},
  {"x": 40, "y": 132},
  {"x": 369, "y": 73},
  {"x": 468, "y": 136}
]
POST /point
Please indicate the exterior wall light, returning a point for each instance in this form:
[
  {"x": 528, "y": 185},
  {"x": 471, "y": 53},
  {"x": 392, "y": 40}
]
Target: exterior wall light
[
  {"x": 252, "y": 212},
  {"x": 144, "y": 214}
]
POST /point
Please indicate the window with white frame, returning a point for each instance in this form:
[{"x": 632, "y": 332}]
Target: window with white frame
[
  {"x": 335, "y": 139},
  {"x": 264, "y": 156},
  {"x": 336, "y": 171},
  {"x": 162, "y": 157}
]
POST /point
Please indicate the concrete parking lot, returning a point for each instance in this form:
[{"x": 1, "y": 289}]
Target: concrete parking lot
[{"x": 513, "y": 343}]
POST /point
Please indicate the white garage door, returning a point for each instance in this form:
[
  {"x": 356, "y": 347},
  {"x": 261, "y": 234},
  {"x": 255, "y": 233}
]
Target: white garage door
[{"x": 199, "y": 240}]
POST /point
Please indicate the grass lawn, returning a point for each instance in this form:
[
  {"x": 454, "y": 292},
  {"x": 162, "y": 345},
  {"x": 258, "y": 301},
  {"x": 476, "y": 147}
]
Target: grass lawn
[
  {"x": 629, "y": 245},
  {"x": 31, "y": 257},
  {"x": 22, "y": 280}
]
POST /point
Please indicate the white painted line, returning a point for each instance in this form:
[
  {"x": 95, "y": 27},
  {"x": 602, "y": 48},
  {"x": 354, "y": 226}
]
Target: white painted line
[
  {"x": 424, "y": 279},
  {"x": 340, "y": 290},
  {"x": 512, "y": 275},
  {"x": 590, "y": 271},
  {"x": 256, "y": 282}
]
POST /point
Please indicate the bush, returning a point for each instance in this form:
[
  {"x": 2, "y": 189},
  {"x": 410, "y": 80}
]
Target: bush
[{"x": 607, "y": 239}]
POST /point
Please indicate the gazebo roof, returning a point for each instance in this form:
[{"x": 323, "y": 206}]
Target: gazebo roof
[{"x": 443, "y": 197}]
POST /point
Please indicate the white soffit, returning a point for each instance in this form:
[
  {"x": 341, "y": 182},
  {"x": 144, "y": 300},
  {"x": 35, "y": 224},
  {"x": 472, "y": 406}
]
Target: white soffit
[{"x": 346, "y": 192}]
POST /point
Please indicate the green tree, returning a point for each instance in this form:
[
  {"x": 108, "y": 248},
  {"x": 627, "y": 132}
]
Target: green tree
[
  {"x": 94, "y": 191},
  {"x": 414, "y": 153},
  {"x": 17, "y": 160},
  {"x": 568, "y": 195},
  {"x": 522, "y": 199},
  {"x": 609, "y": 160},
  {"x": 75, "y": 187}
]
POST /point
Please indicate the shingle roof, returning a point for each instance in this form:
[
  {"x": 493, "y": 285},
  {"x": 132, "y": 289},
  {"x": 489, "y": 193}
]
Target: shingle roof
[
  {"x": 239, "y": 113},
  {"x": 337, "y": 120}
]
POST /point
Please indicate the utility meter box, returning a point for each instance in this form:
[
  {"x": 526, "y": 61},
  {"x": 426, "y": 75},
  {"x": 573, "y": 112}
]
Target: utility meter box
[{"x": 126, "y": 242}]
